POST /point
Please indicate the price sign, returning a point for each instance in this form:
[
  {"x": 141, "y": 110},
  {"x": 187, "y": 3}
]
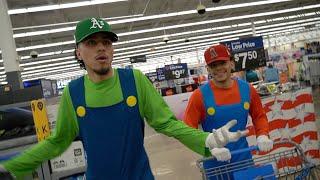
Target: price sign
[
  {"x": 152, "y": 76},
  {"x": 248, "y": 53},
  {"x": 137, "y": 59},
  {"x": 40, "y": 118},
  {"x": 176, "y": 71},
  {"x": 160, "y": 74}
]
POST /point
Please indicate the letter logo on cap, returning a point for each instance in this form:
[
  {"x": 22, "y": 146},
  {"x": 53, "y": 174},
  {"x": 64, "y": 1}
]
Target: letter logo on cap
[
  {"x": 228, "y": 51},
  {"x": 213, "y": 53},
  {"x": 96, "y": 23}
]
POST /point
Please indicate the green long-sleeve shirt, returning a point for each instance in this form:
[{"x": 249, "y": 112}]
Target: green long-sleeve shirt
[{"x": 106, "y": 93}]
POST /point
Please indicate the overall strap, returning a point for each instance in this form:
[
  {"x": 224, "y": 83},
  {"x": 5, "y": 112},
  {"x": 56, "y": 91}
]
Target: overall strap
[
  {"x": 207, "y": 95},
  {"x": 76, "y": 89},
  {"x": 128, "y": 87},
  {"x": 244, "y": 91},
  {"x": 127, "y": 82}
]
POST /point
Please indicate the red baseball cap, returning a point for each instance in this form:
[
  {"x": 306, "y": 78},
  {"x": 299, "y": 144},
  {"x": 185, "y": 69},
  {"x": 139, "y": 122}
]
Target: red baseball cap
[{"x": 217, "y": 53}]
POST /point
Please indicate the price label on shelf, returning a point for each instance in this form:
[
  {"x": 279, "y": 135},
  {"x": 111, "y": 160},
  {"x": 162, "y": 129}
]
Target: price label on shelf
[{"x": 248, "y": 53}]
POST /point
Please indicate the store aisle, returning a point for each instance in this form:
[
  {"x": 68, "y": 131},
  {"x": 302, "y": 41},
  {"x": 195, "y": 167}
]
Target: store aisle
[{"x": 170, "y": 159}]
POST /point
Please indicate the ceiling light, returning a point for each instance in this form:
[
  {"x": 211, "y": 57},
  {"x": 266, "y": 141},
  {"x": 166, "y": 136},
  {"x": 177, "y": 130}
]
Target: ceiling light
[
  {"x": 170, "y": 15},
  {"x": 151, "y": 38},
  {"x": 60, "y": 6}
]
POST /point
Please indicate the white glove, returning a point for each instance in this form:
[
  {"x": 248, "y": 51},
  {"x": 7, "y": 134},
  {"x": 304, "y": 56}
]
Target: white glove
[
  {"x": 222, "y": 136},
  {"x": 221, "y": 154},
  {"x": 264, "y": 143},
  {"x": 4, "y": 174}
]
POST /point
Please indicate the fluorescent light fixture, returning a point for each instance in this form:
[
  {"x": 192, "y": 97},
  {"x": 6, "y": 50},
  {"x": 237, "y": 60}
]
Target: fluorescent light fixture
[
  {"x": 3, "y": 83},
  {"x": 50, "y": 53},
  {"x": 197, "y": 44},
  {"x": 50, "y": 31},
  {"x": 170, "y": 27},
  {"x": 50, "y": 65},
  {"x": 262, "y": 32},
  {"x": 46, "y": 61},
  {"x": 73, "y": 22},
  {"x": 220, "y": 20},
  {"x": 44, "y": 45},
  {"x": 157, "y": 37},
  {"x": 60, "y": 6},
  {"x": 181, "y": 13},
  {"x": 26, "y": 73},
  {"x": 248, "y": 30},
  {"x": 68, "y": 75},
  {"x": 190, "y": 32},
  {"x": 191, "y": 42},
  {"x": 192, "y": 46}
]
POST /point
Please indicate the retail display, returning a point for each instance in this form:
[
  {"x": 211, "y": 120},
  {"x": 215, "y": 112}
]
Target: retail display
[{"x": 290, "y": 114}]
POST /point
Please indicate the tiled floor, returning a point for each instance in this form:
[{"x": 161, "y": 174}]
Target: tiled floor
[{"x": 170, "y": 160}]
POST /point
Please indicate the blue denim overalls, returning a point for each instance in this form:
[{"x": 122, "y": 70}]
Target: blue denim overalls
[
  {"x": 217, "y": 116},
  {"x": 112, "y": 136}
]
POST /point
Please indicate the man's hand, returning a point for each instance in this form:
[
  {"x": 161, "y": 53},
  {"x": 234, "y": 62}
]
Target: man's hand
[
  {"x": 222, "y": 136},
  {"x": 4, "y": 174},
  {"x": 221, "y": 154},
  {"x": 264, "y": 143}
]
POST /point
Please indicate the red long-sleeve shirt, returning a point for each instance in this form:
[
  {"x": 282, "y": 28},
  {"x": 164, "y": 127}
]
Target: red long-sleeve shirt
[{"x": 195, "y": 112}]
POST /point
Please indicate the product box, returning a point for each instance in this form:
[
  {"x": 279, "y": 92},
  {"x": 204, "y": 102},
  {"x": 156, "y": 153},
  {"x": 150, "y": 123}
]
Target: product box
[{"x": 72, "y": 158}]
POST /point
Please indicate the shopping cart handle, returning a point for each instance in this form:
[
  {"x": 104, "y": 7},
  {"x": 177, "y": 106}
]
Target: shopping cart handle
[{"x": 239, "y": 151}]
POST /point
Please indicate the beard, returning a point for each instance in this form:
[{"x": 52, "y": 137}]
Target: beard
[{"x": 102, "y": 71}]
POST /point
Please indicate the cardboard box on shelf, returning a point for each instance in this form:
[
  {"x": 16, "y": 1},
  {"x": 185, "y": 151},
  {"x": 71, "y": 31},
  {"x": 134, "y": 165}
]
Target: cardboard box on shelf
[{"x": 72, "y": 158}]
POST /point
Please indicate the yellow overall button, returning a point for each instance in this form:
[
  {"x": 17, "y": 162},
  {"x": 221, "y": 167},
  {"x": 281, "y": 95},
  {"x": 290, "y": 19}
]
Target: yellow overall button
[
  {"x": 246, "y": 105},
  {"x": 81, "y": 111},
  {"x": 211, "y": 111},
  {"x": 131, "y": 101}
]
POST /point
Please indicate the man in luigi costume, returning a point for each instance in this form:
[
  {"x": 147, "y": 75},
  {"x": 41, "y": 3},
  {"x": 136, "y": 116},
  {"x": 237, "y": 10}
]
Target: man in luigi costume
[{"x": 106, "y": 109}]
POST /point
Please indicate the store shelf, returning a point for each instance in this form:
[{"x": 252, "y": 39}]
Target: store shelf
[
  {"x": 18, "y": 142},
  {"x": 58, "y": 175}
]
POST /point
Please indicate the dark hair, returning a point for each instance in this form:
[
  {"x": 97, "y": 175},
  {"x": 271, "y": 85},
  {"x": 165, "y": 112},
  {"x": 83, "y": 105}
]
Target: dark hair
[{"x": 81, "y": 63}]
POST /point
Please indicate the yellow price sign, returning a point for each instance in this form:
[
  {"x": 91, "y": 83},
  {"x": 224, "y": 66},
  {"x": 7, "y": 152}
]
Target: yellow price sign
[{"x": 40, "y": 119}]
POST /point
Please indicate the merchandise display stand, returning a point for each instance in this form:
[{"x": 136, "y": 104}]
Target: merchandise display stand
[{"x": 291, "y": 115}]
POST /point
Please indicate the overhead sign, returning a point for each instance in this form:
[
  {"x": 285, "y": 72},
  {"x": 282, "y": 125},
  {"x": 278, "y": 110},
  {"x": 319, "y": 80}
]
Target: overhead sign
[
  {"x": 248, "y": 53},
  {"x": 40, "y": 119},
  {"x": 176, "y": 71},
  {"x": 152, "y": 76},
  {"x": 137, "y": 59},
  {"x": 160, "y": 74}
]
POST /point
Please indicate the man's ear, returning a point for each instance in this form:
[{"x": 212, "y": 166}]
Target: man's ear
[
  {"x": 77, "y": 52},
  {"x": 233, "y": 65},
  {"x": 208, "y": 69}
]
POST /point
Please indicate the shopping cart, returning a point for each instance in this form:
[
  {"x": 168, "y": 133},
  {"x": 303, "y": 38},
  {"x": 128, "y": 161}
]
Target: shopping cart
[{"x": 289, "y": 164}]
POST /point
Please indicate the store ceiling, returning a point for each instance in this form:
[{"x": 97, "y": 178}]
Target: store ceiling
[{"x": 141, "y": 31}]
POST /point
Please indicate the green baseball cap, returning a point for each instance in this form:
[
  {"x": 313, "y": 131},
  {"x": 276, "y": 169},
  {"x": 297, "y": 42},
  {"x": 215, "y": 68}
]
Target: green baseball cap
[{"x": 90, "y": 26}]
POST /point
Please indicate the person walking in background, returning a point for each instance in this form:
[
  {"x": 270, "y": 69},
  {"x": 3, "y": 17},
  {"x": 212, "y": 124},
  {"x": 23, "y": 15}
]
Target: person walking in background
[
  {"x": 106, "y": 110},
  {"x": 251, "y": 76},
  {"x": 271, "y": 74},
  {"x": 224, "y": 99}
]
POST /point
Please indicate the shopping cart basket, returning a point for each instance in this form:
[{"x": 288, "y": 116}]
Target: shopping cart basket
[{"x": 289, "y": 164}]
